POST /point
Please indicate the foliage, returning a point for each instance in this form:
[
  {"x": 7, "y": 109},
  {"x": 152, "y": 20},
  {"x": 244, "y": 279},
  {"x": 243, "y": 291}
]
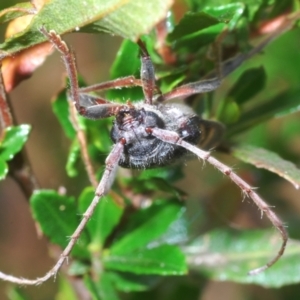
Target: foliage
[
  {"x": 12, "y": 142},
  {"x": 129, "y": 251}
]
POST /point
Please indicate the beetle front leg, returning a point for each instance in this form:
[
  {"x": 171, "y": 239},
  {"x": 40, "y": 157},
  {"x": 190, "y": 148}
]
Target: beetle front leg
[
  {"x": 69, "y": 61},
  {"x": 147, "y": 74}
]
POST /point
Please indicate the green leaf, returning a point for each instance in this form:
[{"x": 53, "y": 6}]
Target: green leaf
[
  {"x": 12, "y": 12},
  {"x": 3, "y": 169},
  {"x": 57, "y": 216},
  {"x": 158, "y": 179},
  {"x": 106, "y": 216},
  {"x": 14, "y": 140},
  {"x": 127, "y": 63},
  {"x": 103, "y": 289},
  {"x": 229, "y": 13},
  {"x": 74, "y": 155},
  {"x": 142, "y": 249},
  {"x": 285, "y": 103},
  {"x": 197, "y": 29},
  {"x": 193, "y": 42},
  {"x": 154, "y": 184},
  {"x": 169, "y": 81},
  {"x": 92, "y": 288},
  {"x": 228, "y": 255},
  {"x": 170, "y": 174},
  {"x": 228, "y": 111},
  {"x": 65, "y": 290},
  {"x": 106, "y": 287},
  {"x": 262, "y": 158},
  {"x": 178, "y": 231},
  {"x": 250, "y": 83},
  {"x": 254, "y": 7},
  {"x": 280, "y": 6},
  {"x": 78, "y": 268},
  {"x": 161, "y": 260},
  {"x": 251, "y": 6},
  {"x": 132, "y": 18},
  {"x": 16, "y": 293},
  {"x": 191, "y": 23},
  {"x": 194, "y": 30},
  {"x": 128, "y": 282},
  {"x": 147, "y": 225},
  {"x": 101, "y": 142},
  {"x": 60, "y": 107},
  {"x": 128, "y": 19}
]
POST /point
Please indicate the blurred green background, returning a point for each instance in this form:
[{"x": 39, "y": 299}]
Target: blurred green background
[{"x": 24, "y": 253}]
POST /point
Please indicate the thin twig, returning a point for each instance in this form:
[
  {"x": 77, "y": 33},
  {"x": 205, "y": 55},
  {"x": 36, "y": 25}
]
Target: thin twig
[
  {"x": 19, "y": 167},
  {"x": 102, "y": 189},
  {"x": 173, "y": 138},
  {"x": 83, "y": 145},
  {"x": 6, "y": 119}
]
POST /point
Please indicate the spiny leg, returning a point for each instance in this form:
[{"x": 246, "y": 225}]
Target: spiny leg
[
  {"x": 198, "y": 87},
  {"x": 103, "y": 108},
  {"x": 225, "y": 68},
  {"x": 128, "y": 81},
  {"x": 173, "y": 138},
  {"x": 102, "y": 189},
  {"x": 93, "y": 107},
  {"x": 70, "y": 64},
  {"x": 105, "y": 183},
  {"x": 147, "y": 74},
  {"x": 230, "y": 65},
  {"x": 69, "y": 60},
  {"x": 87, "y": 105},
  {"x": 201, "y": 86},
  {"x": 147, "y": 81}
]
